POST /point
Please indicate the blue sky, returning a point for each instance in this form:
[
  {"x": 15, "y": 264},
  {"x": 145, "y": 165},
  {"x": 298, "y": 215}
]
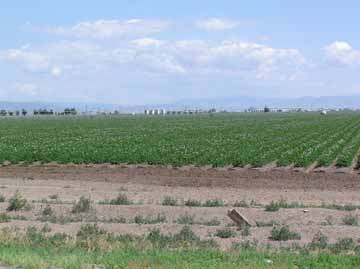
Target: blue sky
[{"x": 141, "y": 52}]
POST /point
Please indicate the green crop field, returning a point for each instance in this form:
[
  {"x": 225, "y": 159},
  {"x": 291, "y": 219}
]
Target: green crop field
[{"x": 223, "y": 139}]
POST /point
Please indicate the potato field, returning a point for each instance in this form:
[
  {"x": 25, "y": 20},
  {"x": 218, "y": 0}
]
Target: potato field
[{"x": 232, "y": 139}]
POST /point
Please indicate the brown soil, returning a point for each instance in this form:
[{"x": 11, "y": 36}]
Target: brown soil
[{"x": 147, "y": 186}]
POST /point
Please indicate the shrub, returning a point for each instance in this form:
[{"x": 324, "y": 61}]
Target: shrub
[
  {"x": 121, "y": 199},
  {"x": 186, "y": 234},
  {"x": 351, "y": 220},
  {"x": 47, "y": 211},
  {"x": 283, "y": 233},
  {"x": 192, "y": 203},
  {"x": 89, "y": 231},
  {"x": 82, "y": 206},
  {"x": 320, "y": 241},
  {"x": 212, "y": 222},
  {"x": 245, "y": 230},
  {"x": 266, "y": 224},
  {"x": 54, "y": 197},
  {"x": 17, "y": 202},
  {"x": 186, "y": 219},
  {"x": 46, "y": 228},
  {"x": 343, "y": 244},
  {"x": 214, "y": 203},
  {"x": 169, "y": 201},
  {"x": 272, "y": 207},
  {"x": 150, "y": 220},
  {"x": 225, "y": 233},
  {"x": 241, "y": 203},
  {"x": 4, "y": 218},
  {"x": 2, "y": 198}
]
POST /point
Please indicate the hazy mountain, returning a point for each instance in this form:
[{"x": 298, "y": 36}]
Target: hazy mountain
[{"x": 232, "y": 103}]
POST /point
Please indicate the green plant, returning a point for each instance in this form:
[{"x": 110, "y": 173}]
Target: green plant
[
  {"x": 46, "y": 228},
  {"x": 121, "y": 199},
  {"x": 241, "y": 203},
  {"x": 272, "y": 207},
  {"x": 82, "y": 206},
  {"x": 186, "y": 219},
  {"x": 225, "y": 233},
  {"x": 17, "y": 202},
  {"x": 284, "y": 233},
  {"x": 320, "y": 241},
  {"x": 192, "y": 203},
  {"x": 214, "y": 203},
  {"x": 4, "y": 218},
  {"x": 211, "y": 222},
  {"x": 2, "y": 198},
  {"x": 245, "y": 230},
  {"x": 54, "y": 197},
  {"x": 351, "y": 220},
  {"x": 47, "y": 211},
  {"x": 139, "y": 219},
  {"x": 267, "y": 224},
  {"x": 169, "y": 201}
]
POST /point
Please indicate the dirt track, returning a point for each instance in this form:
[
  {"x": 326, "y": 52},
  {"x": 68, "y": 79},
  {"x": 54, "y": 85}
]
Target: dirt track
[{"x": 147, "y": 186}]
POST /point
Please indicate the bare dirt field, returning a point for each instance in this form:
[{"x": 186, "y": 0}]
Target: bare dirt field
[{"x": 147, "y": 186}]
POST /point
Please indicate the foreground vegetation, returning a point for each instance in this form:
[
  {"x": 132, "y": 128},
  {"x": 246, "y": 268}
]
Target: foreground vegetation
[
  {"x": 94, "y": 248},
  {"x": 218, "y": 140}
]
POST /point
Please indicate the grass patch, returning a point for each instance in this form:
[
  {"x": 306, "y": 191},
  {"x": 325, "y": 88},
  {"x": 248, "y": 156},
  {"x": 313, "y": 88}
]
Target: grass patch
[
  {"x": 82, "y": 206},
  {"x": 214, "y": 203},
  {"x": 17, "y": 202},
  {"x": 169, "y": 201},
  {"x": 283, "y": 233},
  {"x": 4, "y": 218},
  {"x": 160, "y": 218},
  {"x": 351, "y": 220},
  {"x": 186, "y": 219},
  {"x": 192, "y": 203},
  {"x": 225, "y": 233}
]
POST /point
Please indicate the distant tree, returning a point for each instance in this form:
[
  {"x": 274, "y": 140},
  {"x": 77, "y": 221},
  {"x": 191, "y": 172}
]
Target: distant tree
[
  {"x": 17, "y": 113},
  {"x": 3, "y": 112},
  {"x": 24, "y": 112},
  {"x": 36, "y": 112},
  {"x": 266, "y": 109},
  {"x": 11, "y": 113}
]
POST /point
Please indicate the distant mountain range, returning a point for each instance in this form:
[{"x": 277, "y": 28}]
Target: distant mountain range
[{"x": 232, "y": 103}]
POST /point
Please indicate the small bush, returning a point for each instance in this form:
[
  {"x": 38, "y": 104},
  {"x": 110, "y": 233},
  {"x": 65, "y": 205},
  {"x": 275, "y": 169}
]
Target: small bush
[
  {"x": 214, "y": 203},
  {"x": 46, "y": 228},
  {"x": 186, "y": 234},
  {"x": 212, "y": 222},
  {"x": 82, "y": 206},
  {"x": 266, "y": 224},
  {"x": 89, "y": 231},
  {"x": 2, "y": 198},
  {"x": 283, "y": 234},
  {"x": 351, "y": 220},
  {"x": 241, "y": 203},
  {"x": 186, "y": 219},
  {"x": 169, "y": 201},
  {"x": 54, "y": 197},
  {"x": 192, "y": 203},
  {"x": 245, "y": 230},
  {"x": 320, "y": 241},
  {"x": 121, "y": 199},
  {"x": 272, "y": 207},
  {"x": 150, "y": 220},
  {"x": 4, "y": 218},
  {"x": 343, "y": 244},
  {"x": 225, "y": 233},
  {"x": 47, "y": 211},
  {"x": 17, "y": 202}
]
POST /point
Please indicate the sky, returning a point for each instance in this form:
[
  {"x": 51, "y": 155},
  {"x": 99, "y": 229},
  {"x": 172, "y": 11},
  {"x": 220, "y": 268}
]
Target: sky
[{"x": 156, "y": 51}]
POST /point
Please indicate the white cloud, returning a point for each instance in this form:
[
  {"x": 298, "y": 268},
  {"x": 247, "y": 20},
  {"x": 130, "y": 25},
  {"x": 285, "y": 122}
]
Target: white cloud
[
  {"x": 342, "y": 52},
  {"x": 103, "y": 29},
  {"x": 153, "y": 56},
  {"x": 217, "y": 24},
  {"x": 26, "y": 88}
]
